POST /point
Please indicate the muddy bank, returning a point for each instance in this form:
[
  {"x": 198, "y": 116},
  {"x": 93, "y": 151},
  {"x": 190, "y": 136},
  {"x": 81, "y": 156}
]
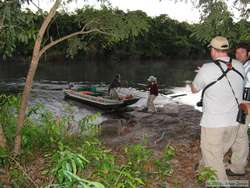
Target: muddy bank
[{"x": 174, "y": 124}]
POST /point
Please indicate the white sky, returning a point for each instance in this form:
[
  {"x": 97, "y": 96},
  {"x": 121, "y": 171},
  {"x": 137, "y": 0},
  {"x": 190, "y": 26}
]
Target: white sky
[{"x": 181, "y": 10}]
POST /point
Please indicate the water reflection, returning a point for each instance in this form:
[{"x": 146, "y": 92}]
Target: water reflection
[
  {"x": 52, "y": 78},
  {"x": 169, "y": 74}
]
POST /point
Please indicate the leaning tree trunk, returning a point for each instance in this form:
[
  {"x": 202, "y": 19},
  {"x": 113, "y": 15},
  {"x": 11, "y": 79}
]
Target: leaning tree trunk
[
  {"x": 2, "y": 138},
  {"x": 30, "y": 76}
]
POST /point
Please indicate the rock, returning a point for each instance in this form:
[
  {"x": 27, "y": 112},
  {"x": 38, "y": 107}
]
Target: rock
[
  {"x": 170, "y": 108},
  {"x": 112, "y": 127}
]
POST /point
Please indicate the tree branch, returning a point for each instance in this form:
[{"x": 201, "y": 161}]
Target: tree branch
[
  {"x": 36, "y": 6},
  {"x": 69, "y": 36},
  {"x": 2, "y": 138},
  {"x": 87, "y": 24},
  {"x": 2, "y": 22}
]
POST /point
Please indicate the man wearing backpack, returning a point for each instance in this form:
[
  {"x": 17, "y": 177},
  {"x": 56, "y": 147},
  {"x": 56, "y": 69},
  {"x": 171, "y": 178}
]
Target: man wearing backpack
[{"x": 222, "y": 82}]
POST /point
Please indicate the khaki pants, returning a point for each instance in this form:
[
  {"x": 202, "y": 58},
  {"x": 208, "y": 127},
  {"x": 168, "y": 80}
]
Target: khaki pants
[
  {"x": 240, "y": 149},
  {"x": 215, "y": 142},
  {"x": 150, "y": 103}
]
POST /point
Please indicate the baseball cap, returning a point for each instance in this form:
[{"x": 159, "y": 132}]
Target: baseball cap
[{"x": 219, "y": 42}]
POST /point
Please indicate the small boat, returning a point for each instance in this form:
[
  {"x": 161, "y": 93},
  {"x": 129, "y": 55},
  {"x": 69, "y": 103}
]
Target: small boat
[{"x": 98, "y": 99}]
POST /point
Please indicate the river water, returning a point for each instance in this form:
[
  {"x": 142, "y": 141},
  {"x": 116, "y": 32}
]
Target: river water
[{"x": 51, "y": 78}]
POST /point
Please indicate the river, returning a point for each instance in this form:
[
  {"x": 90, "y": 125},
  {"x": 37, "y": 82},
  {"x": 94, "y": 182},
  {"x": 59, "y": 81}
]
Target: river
[{"x": 51, "y": 78}]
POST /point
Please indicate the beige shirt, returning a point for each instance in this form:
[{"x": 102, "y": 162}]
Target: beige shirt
[{"x": 219, "y": 105}]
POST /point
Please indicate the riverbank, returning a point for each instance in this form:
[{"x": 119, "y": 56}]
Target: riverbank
[
  {"x": 146, "y": 150},
  {"x": 176, "y": 125}
]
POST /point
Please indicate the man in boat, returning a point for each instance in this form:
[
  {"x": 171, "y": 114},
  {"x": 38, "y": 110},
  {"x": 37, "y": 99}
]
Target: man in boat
[
  {"x": 222, "y": 82},
  {"x": 240, "y": 149},
  {"x": 112, "y": 91},
  {"x": 153, "y": 93}
]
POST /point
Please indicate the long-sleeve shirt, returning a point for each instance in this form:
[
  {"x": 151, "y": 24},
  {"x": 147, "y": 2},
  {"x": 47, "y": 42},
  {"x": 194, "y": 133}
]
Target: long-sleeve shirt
[{"x": 153, "y": 89}]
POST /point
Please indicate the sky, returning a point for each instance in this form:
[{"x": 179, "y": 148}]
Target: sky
[{"x": 181, "y": 10}]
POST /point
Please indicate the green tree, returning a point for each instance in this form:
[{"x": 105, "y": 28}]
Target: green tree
[
  {"x": 15, "y": 29},
  {"x": 114, "y": 27},
  {"x": 241, "y": 5},
  {"x": 243, "y": 30},
  {"x": 215, "y": 20}
]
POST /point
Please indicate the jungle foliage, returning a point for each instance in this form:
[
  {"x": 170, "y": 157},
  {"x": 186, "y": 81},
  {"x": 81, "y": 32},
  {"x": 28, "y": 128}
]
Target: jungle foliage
[
  {"x": 134, "y": 34},
  {"x": 54, "y": 154}
]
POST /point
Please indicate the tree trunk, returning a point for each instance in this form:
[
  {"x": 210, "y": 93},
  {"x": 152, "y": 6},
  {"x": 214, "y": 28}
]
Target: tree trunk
[
  {"x": 30, "y": 76},
  {"x": 2, "y": 138}
]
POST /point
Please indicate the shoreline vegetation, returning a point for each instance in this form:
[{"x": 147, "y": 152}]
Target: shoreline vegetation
[
  {"x": 139, "y": 150},
  {"x": 57, "y": 151}
]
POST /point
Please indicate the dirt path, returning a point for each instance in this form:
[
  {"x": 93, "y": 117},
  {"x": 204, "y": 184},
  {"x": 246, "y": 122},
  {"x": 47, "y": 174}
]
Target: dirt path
[{"x": 175, "y": 124}]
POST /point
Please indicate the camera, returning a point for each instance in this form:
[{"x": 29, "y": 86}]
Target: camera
[
  {"x": 241, "y": 116},
  {"x": 199, "y": 104},
  {"x": 246, "y": 94}
]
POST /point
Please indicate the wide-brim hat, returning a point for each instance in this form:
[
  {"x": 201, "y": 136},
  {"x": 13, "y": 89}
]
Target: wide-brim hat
[
  {"x": 152, "y": 79},
  {"x": 219, "y": 43}
]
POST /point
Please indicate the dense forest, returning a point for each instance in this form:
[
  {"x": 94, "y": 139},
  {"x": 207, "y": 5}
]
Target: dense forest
[{"x": 158, "y": 37}]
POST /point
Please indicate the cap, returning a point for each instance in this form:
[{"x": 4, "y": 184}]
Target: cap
[
  {"x": 152, "y": 79},
  {"x": 220, "y": 43}
]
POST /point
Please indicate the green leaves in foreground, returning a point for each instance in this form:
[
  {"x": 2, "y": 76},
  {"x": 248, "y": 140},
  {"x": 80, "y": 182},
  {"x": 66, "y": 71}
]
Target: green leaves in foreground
[
  {"x": 77, "y": 160},
  {"x": 208, "y": 175},
  {"x": 66, "y": 167},
  {"x": 163, "y": 164}
]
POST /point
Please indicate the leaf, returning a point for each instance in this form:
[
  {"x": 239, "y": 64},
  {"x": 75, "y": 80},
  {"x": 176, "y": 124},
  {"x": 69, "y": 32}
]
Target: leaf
[
  {"x": 60, "y": 176},
  {"x": 82, "y": 158},
  {"x": 73, "y": 164},
  {"x": 79, "y": 162}
]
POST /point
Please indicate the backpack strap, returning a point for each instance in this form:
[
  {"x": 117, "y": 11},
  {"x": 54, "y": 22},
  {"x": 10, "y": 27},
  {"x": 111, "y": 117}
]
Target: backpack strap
[
  {"x": 229, "y": 67},
  {"x": 210, "y": 84},
  {"x": 224, "y": 73},
  {"x": 235, "y": 70}
]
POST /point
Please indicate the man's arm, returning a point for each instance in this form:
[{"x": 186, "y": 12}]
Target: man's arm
[
  {"x": 193, "y": 89},
  {"x": 199, "y": 81}
]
